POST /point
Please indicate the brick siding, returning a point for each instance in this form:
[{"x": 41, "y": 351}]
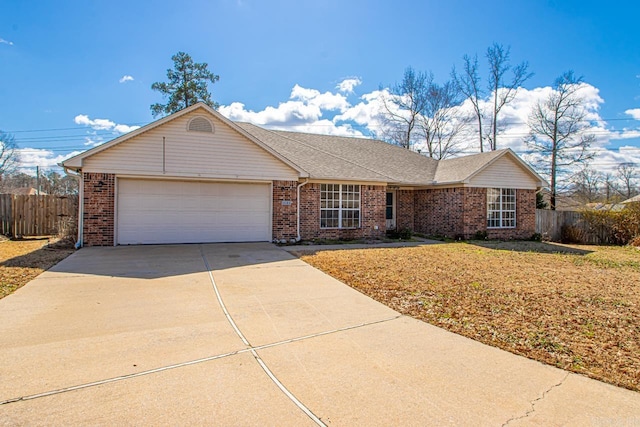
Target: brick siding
[
  {"x": 98, "y": 215},
  {"x": 373, "y": 199},
  {"x": 405, "y": 209},
  {"x": 285, "y": 200},
  {"x": 462, "y": 213},
  {"x": 451, "y": 212},
  {"x": 438, "y": 212}
]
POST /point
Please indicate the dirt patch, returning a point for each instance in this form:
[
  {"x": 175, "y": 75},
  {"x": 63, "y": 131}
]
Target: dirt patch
[
  {"x": 575, "y": 307},
  {"x": 23, "y": 260}
]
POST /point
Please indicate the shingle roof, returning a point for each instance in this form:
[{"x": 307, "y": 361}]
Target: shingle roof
[
  {"x": 337, "y": 157},
  {"x": 635, "y": 199}
]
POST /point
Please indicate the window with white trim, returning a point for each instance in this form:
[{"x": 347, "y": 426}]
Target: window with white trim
[
  {"x": 501, "y": 207},
  {"x": 339, "y": 206}
]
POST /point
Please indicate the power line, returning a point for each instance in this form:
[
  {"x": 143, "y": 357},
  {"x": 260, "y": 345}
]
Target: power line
[
  {"x": 73, "y": 128},
  {"x": 613, "y": 119}
]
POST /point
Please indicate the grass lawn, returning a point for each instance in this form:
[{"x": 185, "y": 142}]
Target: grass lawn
[
  {"x": 575, "y": 307},
  {"x": 23, "y": 260}
]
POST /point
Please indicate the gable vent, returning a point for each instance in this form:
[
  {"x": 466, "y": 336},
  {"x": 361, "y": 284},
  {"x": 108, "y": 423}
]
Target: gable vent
[{"x": 200, "y": 124}]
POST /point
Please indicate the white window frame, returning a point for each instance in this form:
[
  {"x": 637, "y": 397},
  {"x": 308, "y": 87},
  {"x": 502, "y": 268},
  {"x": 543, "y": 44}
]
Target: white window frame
[
  {"x": 347, "y": 208},
  {"x": 501, "y": 207}
]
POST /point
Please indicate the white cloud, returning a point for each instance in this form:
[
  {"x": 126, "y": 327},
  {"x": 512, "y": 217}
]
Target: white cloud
[
  {"x": 303, "y": 112},
  {"x": 103, "y": 124},
  {"x": 309, "y": 110},
  {"x": 32, "y": 157},
  {"x": 126, "y": 78},
  {"x": 323, "y": 101},
  {"x": 634, "y": 112},
  {"x": 3, "y": 41},
  {"x": 347, "y": 85},
  {"x": 93, "y": 140}
]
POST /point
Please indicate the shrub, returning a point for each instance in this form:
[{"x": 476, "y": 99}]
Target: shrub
[
  {"x": 571, "y": 234},
  {"x": 405, "y": 233},
  {"x": 402, "y": 234},
  {"x": 480, "y": 235},
  {"x": 536, "y": 237},
  {"x": 620, "y": 227}
]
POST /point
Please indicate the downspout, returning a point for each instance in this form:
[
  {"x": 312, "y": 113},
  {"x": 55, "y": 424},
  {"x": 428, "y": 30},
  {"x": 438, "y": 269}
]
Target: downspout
[
  {"x": 298, "y": 238},
  {"x": 78, "y": 174}
]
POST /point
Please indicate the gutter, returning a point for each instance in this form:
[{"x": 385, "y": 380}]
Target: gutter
[
  {"x": 78, "y": 174},
  {"x": 298, "y": 238}
]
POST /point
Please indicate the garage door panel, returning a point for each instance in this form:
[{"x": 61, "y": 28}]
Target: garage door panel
[{"x": 152, "y": 211}]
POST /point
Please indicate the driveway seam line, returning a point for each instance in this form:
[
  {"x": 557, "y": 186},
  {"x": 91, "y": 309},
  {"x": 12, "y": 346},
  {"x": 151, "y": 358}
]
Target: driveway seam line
[
  {"x": 120, "y": 378},
  {"x": 189, "y": 363},
  {"x": 263, "y": 365}
]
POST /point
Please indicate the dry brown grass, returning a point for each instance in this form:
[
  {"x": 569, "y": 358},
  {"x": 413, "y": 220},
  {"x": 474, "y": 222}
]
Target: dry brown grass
[
  {"x": 23, "y": 260},
  {"x": 575, "y": 307}
]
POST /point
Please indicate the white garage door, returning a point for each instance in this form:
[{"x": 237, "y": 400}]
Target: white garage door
[{"x": 157, "y": 211}]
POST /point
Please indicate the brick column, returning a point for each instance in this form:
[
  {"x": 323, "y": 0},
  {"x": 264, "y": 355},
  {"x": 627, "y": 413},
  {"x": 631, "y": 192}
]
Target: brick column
[
  {"x": 99, "y": 213},
  {"x": 285, "y": 206}
]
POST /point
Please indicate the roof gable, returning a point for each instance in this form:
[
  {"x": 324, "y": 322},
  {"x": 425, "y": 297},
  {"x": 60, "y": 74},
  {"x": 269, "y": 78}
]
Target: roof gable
[
  {"x": 79, "y": 160},
  {"x": 470, "y": 169}
]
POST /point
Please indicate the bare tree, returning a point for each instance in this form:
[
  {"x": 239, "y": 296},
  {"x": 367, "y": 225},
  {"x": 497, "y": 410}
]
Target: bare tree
[
  {"x": 442, "y": 122},
  {"x": 9, "y": 158},
  {"x": 558, "y": 129},
  {"x": 51, "y": 182},
  {"x": 404, "y": 106},
  {"x": 609, "y": 184},
  {"x": 587, "y": 185},
  {"x": 468, "y": 83},
  {"x": 501, "y": 91},
  {"x": 627, "y": 174}
]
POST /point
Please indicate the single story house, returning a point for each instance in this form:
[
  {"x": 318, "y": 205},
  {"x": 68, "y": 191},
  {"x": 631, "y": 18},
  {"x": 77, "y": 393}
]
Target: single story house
[
  {"x": 25, "y": 191},
  {"x": 196, "y": 176}
]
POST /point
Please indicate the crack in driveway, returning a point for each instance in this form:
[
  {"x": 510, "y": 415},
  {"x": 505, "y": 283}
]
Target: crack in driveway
[{"x": 534, "y": 401}]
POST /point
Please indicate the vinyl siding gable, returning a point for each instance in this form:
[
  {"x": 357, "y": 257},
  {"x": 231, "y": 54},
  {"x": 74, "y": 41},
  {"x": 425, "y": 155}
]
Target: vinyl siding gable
[
  {"x": 224, "y": 154},
  {"x": 505, "y": 172}
]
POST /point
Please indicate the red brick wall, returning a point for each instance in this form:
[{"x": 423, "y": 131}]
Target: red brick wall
[
  {"x": 439, "y": 212},
  {"x": 98, "y": 216},
  {"x": 404, "y": 209},
  {"x": 284, "y": 219},
  {"x": 372, "y": 213},
  {"x": 462, "y": 212},
  {"x": 475, "y": 212}
]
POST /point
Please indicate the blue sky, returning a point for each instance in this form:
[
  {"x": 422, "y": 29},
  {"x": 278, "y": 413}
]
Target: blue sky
[{"x": 282, "y": 62}]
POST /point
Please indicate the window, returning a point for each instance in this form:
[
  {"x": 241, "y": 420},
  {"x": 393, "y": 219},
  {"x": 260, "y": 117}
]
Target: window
[
  {"x": 389, "y": 212},
  {"x": 339, "y": 206},
  {"x": 501, "y": 208}
]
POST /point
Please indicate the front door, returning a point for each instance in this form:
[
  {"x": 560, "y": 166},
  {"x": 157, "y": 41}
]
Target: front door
[{"x": 391, "y": 210}]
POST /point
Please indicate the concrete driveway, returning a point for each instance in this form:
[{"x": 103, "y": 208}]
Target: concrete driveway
[{"x": 246, "y": 334}]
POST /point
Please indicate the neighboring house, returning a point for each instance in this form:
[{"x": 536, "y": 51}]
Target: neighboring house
[
  {"x": 614, "y": 207},
  {"x": 635, "y": 199},
  {"x": 195, "y": 176},
  {"x": 25, "y": 191}
]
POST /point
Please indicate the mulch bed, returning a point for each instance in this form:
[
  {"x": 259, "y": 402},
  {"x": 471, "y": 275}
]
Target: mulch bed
[{"x": 574, "y": 307}]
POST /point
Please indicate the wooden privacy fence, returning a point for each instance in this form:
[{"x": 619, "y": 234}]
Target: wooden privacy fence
[
  {"x": 22, "y": 215},
  {"x": 549, "y": 224}
]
